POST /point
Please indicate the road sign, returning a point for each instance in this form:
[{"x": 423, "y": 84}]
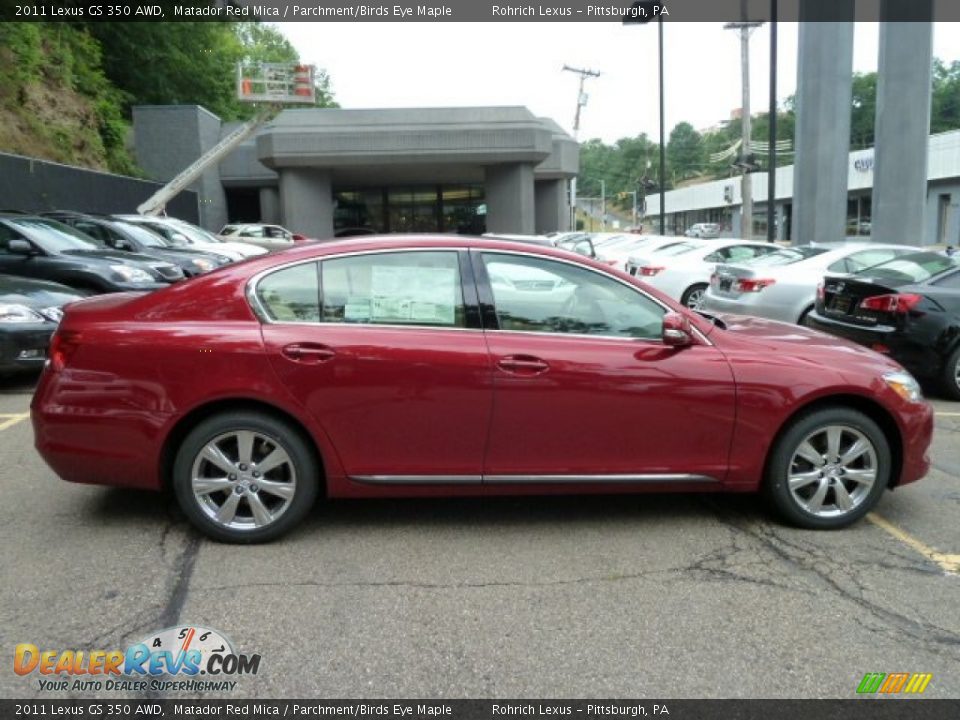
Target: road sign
[{"x": 276, "y": 83}]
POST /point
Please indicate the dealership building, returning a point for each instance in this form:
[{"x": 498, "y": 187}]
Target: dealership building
[
  {"x": 720, "y": 201},
  {"x": 323, "y": 171}
]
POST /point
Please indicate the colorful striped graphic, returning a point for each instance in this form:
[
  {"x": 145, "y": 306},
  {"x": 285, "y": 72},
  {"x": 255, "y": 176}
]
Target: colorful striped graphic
[{"x": 892, "y": 683}]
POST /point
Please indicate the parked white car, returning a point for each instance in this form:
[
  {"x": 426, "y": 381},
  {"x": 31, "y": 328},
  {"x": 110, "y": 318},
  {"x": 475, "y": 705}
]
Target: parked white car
[
  {"x": 181, "y": 233},
  {"x": 620, "y": 255},
  {"x": 683, "y": 270},
  {"x": 783, "y": 285},
  {"x": 269, "y": 237},
  {"x": 704, "y": 230}
]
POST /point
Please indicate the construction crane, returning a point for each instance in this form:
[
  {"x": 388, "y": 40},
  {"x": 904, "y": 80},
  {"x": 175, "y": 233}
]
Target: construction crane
[{"x": 156, "y": 203}]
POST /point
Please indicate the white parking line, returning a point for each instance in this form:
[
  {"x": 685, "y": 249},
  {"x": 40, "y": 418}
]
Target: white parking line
[
  {"x": 11, "y": 419},
  {"x": 949, "y": 563}
]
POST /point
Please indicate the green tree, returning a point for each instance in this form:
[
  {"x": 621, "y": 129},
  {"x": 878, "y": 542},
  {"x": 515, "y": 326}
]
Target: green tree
[
  {"x": 864, "y": 110},
  {"x": 685, "y": 151},
  {"x": 945, "y": 107}
]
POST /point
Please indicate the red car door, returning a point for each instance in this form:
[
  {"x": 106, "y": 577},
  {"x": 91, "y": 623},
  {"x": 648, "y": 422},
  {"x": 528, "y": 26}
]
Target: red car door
[
  {"x": 583, "y": 386},
  {"x": 386, "y": 361}
]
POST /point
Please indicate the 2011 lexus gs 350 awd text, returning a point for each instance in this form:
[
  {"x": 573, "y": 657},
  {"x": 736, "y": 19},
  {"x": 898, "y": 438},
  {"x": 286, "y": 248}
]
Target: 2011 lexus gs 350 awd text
[{"x": 429, "y": 366}]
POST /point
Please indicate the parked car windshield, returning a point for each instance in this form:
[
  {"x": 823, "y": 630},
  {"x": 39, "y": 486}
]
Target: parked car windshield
[
  {"x": 143, "y": 236},
  {"x": 787, "y": 256},
  {"x": 915, "y": 267},
  {"x": 54, "y": 236}
]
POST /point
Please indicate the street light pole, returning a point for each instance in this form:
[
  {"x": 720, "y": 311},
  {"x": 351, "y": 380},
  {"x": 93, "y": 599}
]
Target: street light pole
[
  {"x": 640, "y": 13},
  {"x": 746, "y": 187},
  {"x": 772, "y": 156}
]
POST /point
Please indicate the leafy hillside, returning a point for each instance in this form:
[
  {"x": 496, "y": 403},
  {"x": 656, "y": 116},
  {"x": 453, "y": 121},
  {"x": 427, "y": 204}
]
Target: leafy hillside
[{"x": 66, "y": 89}]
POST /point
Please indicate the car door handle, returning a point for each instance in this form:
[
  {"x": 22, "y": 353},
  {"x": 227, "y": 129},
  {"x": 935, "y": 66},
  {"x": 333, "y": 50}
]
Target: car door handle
[
  {"x": 310, "y": 353},
  {"x": 523, "y": 365}
]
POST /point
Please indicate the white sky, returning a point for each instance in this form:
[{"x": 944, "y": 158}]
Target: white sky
[{"x": 462, "y": 64}]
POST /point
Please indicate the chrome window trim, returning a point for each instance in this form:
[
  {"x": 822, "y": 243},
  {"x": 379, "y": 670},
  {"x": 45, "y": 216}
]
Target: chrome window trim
[
  {"x": 257, "y": 307},
  {"x": 621, "y": 478}
]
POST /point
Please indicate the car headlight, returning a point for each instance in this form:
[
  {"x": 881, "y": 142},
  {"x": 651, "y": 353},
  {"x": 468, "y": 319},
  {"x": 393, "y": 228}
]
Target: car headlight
[
  {"x": 904, "y": 385},
  {"x": 13, "y": 313},
  {"x": 52, "y": 313},
  {"x": 132, "y": 274},
  {"x": 202, "y": 264}
]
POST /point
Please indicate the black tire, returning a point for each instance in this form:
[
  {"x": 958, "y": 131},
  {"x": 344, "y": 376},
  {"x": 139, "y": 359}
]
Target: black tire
[
  {"x": 691, "y": 291},
  {"x": 782, "y": 462},
  {"x": 301, "y": 474},
  {"x": 950, "y": 382}
]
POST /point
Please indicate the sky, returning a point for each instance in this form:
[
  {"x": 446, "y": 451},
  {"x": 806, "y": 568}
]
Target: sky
[{"x": 471, "y": 64}]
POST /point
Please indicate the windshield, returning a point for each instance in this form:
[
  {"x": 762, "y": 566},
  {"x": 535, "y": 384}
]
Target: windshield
[
  {"x": 910, "y": 268},
  {"x": 195, "y": 233},
  {"x": 787, "y": 256},
  {"x": 142, "y": 235},
  {"x": 55, "y": 237}
]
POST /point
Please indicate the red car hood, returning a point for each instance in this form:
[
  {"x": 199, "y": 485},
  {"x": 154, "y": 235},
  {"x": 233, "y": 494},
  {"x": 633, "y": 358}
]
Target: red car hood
[{"x": 785, "y": 339}]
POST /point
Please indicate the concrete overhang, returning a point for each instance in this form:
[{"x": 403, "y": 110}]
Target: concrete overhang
[
  {"x": 564, "y": 159},
  {"x": 337, "y": 138}
]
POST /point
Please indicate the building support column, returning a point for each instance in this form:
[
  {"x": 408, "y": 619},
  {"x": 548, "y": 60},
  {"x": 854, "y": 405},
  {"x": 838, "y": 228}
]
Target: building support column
[
  {"x": 509, "y": 194},
  {"x": 270, "y": 205},
  {"x": 306, "y": 202},
  {"x": 552, "y": 211},
  {"x": 824, "y": 88},
  {"x": 902, "y": 125}
]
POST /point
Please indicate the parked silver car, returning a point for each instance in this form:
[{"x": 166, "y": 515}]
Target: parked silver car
[{"x": 783, "y": 285}]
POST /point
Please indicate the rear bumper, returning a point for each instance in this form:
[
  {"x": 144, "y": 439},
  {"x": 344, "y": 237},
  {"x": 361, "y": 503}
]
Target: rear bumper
[
  {"x": 916, "y": 354},
  {"x": 748, "y": 304}
]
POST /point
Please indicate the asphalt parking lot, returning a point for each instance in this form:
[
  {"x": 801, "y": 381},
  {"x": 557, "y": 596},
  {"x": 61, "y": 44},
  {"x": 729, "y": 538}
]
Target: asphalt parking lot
[{"x": 643, "y": 596}]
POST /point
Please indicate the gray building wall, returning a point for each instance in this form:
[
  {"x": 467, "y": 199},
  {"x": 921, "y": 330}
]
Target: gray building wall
[
  {"x": 942, "y": 214},
  {"x": 33, "y": 185},
  {"x": 168, "y": 138}
]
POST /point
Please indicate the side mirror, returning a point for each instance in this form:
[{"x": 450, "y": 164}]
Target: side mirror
[
  {"x": 21, "y": 247},
  {"x": 677, "y": 331}
]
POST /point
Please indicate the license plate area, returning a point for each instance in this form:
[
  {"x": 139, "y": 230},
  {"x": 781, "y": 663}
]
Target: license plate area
[{"x": 839, "y": 305}]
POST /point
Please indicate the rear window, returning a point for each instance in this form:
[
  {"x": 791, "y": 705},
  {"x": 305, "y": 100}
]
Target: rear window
[
  {"x": 911, "y": 268},
  {"x": 787, "y": 256}
]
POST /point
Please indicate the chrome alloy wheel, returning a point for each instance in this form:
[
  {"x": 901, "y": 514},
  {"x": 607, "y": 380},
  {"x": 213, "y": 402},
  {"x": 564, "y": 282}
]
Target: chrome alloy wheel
[
  {"x": 243, "y": 480},
  {"x": 695, "y": 297},
  {"x": 832, "y": 471}
]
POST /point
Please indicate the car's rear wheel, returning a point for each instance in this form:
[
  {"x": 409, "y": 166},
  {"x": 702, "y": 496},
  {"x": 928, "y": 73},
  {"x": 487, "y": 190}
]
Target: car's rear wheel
[
  {"x": 951, "y": 375},
  {"x": 693, "y": 295},
  {"x": 245, "y": 477},
  {"x": 828, "y": 469}
]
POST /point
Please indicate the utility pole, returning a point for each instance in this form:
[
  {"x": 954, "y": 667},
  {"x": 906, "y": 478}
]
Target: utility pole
[
  {"x": 603, "y": 204},
  {"x": 746, "y": 186},
  {"x": 581, "y": 102}
]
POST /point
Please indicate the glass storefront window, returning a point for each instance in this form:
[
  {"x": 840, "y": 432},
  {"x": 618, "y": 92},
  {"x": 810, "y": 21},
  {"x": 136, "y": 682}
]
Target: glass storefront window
[{"x": 413, "y": 209}]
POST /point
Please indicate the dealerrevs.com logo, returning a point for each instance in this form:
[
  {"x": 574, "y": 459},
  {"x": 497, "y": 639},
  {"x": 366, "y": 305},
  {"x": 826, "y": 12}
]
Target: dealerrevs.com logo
[
  {"x": 185, "y": 658},
  {"x": 894, "y": 683}
]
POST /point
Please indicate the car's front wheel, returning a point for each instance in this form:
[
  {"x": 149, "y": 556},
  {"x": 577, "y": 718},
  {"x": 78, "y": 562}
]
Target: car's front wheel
[
  {"x": 828, "y": 469},
  {"x": 245, "y": 477}
]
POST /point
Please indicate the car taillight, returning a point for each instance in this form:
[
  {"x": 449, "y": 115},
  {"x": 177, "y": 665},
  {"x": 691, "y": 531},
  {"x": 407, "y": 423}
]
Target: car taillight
[
  {"x": 63, "y": 345},
  {"x": 651, "y": 270},
  {"x": 895, "y": 303},
  {"x": 714, "y": 279},
  {"x": 821, "y": 293},
  {"x": 748, "y": 285}
]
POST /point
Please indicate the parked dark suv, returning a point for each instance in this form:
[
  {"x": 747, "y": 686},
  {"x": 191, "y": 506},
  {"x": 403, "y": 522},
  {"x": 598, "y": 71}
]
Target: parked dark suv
[
  {"x": 45, "y": 249},
  {"x": 128, "y": 237}
]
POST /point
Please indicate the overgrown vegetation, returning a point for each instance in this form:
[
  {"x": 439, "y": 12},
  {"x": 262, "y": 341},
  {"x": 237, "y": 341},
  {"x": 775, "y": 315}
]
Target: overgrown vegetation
[
  {"x": 66, "y": 89},
  {"x": 633, "y": 163}
]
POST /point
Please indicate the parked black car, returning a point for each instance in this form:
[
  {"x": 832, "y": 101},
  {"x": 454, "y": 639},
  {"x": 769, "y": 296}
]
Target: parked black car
[
  {"x": 42, "y": 248},
  {"x": 907, "y": 308},
  {"x": 127, "y": 237},
  {"x": 29, "y": 313}
]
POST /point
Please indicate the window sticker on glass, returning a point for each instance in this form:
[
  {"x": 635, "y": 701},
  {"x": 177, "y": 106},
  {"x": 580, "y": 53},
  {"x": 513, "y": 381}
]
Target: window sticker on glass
[{"x": 413, "y": 294}]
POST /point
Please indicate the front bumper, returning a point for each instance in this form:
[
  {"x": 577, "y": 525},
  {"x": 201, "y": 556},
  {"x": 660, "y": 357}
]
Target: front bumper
[{"x": 23, "y": 346}]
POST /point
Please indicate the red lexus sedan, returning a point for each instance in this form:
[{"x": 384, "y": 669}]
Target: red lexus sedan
[{"x": 425, "y": 366}]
